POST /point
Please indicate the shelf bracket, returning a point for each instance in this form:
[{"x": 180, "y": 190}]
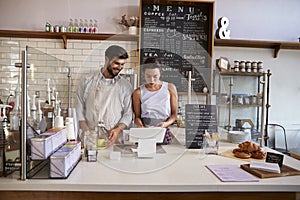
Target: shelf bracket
[
  {"x": 276, "y": 50},
  {"x": 64, "y": 37}
]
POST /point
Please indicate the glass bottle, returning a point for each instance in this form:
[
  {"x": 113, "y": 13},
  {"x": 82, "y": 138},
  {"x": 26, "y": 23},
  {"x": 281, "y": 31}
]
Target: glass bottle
[
  {"x": 70, "y": 26},
  {"x": 179, "y": 118},
  {"x": 81, "y": 26},
  {"x": 91, "y": 26},
  {"x": 85, "y": 26},
  {"x": 47, "y": 27},
  {"x": 15, "y": 114},
  {"x": 95, "y": 28},
  {"x": 75, "y": 27}
]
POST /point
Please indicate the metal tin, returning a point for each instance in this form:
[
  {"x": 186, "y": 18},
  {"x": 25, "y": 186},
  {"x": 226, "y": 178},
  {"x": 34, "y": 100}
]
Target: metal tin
[
  {"x": 47, "y": 27},
  {"x": 51, "y": 28},
  {"x": 254, "y": 66},
  {"x": 253, "y": 99},
  {"x": 63, "y": 29},
  {"x": 56, "y": 29},
  {"x": 260, "y": 66},
  {"x": 248, "y": 66},
  {"x": 242, "y": 66}
]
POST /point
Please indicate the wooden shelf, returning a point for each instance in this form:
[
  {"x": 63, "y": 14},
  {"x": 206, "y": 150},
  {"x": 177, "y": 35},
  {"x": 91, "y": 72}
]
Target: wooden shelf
[
  {"x": 66, "y": 36},
  {"x": 239, "y": 105},
  {"x": 276, "y": 45},
  {"x": 230, "y": 73}
]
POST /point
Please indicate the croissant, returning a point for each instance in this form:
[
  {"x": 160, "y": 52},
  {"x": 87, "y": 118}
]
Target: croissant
[
  {"x": 249, "y": 147},
  {"x": 258, "y": 154}
]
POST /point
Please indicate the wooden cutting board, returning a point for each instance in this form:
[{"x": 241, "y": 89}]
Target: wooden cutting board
[
  {"x": 229, "y": 154},
  {"x": 285, "y": 171}
]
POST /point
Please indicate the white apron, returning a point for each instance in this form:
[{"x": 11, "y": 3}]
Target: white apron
[{"x": 103, "y": 104}]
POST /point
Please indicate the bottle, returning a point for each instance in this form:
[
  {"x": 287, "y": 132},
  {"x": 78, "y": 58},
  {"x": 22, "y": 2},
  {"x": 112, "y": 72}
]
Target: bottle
[
  {"x": 95, "y": 28},
  {"x": 3, "y": 134},
  {"x": 179, "y": 118},
  {"x": 47, "y": 27},
  {"x": 91, "y": 26},
  {"x": 81, "y": 26},
  {"x": 33, "y": 111},
  {"x": 75, "y": 26},
  {"x": 70, "y": 26},
  {"x": 85, "y": 26},
  {"x": 15, "y": 114}
]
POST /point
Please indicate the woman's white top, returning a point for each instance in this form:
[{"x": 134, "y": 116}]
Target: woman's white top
[{"x": 155, "y": 104}]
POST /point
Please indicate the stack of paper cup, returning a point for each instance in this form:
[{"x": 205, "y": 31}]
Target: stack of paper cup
[
  {"x": 59, "y": 122},
  {"x": 70, "y": 128}
]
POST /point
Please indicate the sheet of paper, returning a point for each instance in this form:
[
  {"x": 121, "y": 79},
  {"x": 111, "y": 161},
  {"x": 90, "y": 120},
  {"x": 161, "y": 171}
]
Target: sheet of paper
[
  {"x": 231, "y": 173},
  {"x": 269, "y": 167}
]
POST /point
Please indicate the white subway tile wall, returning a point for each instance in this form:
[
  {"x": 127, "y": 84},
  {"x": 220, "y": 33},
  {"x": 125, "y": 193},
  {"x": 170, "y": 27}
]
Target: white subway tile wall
[{"x": 51, "y": 61}]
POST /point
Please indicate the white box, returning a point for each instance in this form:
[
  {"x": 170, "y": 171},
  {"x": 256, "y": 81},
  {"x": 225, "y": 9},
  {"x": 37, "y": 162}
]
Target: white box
[
  {"x": 63, "y": 161},
  {"x": 44, "y": 145}
]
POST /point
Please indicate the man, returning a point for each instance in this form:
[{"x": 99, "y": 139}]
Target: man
[{"x": 104, "y": 98}]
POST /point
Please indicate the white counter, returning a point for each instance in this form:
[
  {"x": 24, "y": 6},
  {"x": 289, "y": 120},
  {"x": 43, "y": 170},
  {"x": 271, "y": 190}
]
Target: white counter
[{"x": 185, "y": 171}]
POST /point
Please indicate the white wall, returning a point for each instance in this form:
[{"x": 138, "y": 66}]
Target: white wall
[
  {"x": 249, "y": 19},
  {"x": 261, "y": 19},
  {"x": 33, "y": 14}
]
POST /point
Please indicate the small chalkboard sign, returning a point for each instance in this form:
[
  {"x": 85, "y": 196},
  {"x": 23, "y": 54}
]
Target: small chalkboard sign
[
  {"x": 275, "y": 158},
  {"x": 198, "y": 119}
]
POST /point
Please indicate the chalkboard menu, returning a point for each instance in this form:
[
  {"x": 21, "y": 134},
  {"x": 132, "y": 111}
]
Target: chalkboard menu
[
  {"x": 180, "y": 34},
  {"x": 198, "y": 119}
]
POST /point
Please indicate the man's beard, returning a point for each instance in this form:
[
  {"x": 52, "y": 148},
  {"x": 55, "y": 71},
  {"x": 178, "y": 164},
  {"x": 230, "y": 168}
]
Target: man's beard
[{"x": 110, "y": 71}]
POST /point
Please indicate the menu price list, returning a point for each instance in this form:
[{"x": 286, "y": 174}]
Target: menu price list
[
  {"x": 177, "y": 33},
  {"x": 199, "y": 118}
]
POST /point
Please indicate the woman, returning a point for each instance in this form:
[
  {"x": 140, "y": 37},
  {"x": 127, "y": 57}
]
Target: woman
[{"x": 155, "y": 102}]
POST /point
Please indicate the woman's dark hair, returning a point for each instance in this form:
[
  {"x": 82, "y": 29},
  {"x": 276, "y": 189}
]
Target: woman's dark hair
[
  {"x": 152, "y": 63},
  {"x": 116, "y": 51}
]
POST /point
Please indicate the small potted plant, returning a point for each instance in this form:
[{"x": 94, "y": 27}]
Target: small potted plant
[{"x": 132, "y": 23}]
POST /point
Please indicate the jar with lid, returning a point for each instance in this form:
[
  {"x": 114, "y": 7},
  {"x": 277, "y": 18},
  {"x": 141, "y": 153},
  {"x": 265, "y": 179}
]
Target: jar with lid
[
  {"x": 248, "y": 66},
  {"x": 242, "y": 66},
  {"x": 47, "y": 27},
  {"x": 236, "y": 66},
  {"x": 254, "y": 66},
  {"x": 253, "y": 99},
  {"x": 260, "y": 66},
  {"x": 56, "y": 28}
]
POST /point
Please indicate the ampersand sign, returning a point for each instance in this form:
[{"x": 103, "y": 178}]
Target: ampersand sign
[{"x": 222, "y": 32}]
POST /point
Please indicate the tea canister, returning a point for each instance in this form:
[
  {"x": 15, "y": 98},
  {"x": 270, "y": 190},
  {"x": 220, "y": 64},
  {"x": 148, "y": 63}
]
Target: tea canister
[
  {"x": 63, "y": 29},
  {"x": 56, "y": 29},
  {"x": 260, "y": 66},
  {"x": 254, "y": 66},
  {"x": 248, "y": 66},
  {"x": 242, "y": 66},
  {"x": 236, "y": 66}
]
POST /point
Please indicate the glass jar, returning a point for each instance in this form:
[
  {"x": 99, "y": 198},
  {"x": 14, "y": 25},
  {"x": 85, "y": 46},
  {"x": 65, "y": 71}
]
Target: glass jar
[
  {"x": 242, "y": 66},
  {"x": 260, "y": 66},
  {"x": 254, "y": 66}
]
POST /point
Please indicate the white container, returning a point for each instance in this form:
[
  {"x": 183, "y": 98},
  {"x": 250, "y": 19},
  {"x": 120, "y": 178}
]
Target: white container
[
  {"x": 133, "y": 30},
  {"x": 238, "y": 136},
  {"x": 63, "y": 161},
  {"x": 45, "y": 144}
]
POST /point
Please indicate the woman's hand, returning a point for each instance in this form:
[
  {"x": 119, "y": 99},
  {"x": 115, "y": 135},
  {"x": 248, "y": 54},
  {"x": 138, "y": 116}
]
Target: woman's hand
[{"x": 161, "y": 124}]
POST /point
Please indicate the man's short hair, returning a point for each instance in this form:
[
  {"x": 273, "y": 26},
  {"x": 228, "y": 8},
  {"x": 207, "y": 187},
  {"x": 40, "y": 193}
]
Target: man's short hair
[{"x": 116, "y": 51}]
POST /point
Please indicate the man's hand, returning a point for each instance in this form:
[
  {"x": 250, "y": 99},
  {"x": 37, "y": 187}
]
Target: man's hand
[{"x": 113, "y": 136}]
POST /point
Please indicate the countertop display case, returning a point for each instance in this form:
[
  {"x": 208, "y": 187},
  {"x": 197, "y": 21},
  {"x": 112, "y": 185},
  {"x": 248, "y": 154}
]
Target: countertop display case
[{"x": 46, "y": 95}]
